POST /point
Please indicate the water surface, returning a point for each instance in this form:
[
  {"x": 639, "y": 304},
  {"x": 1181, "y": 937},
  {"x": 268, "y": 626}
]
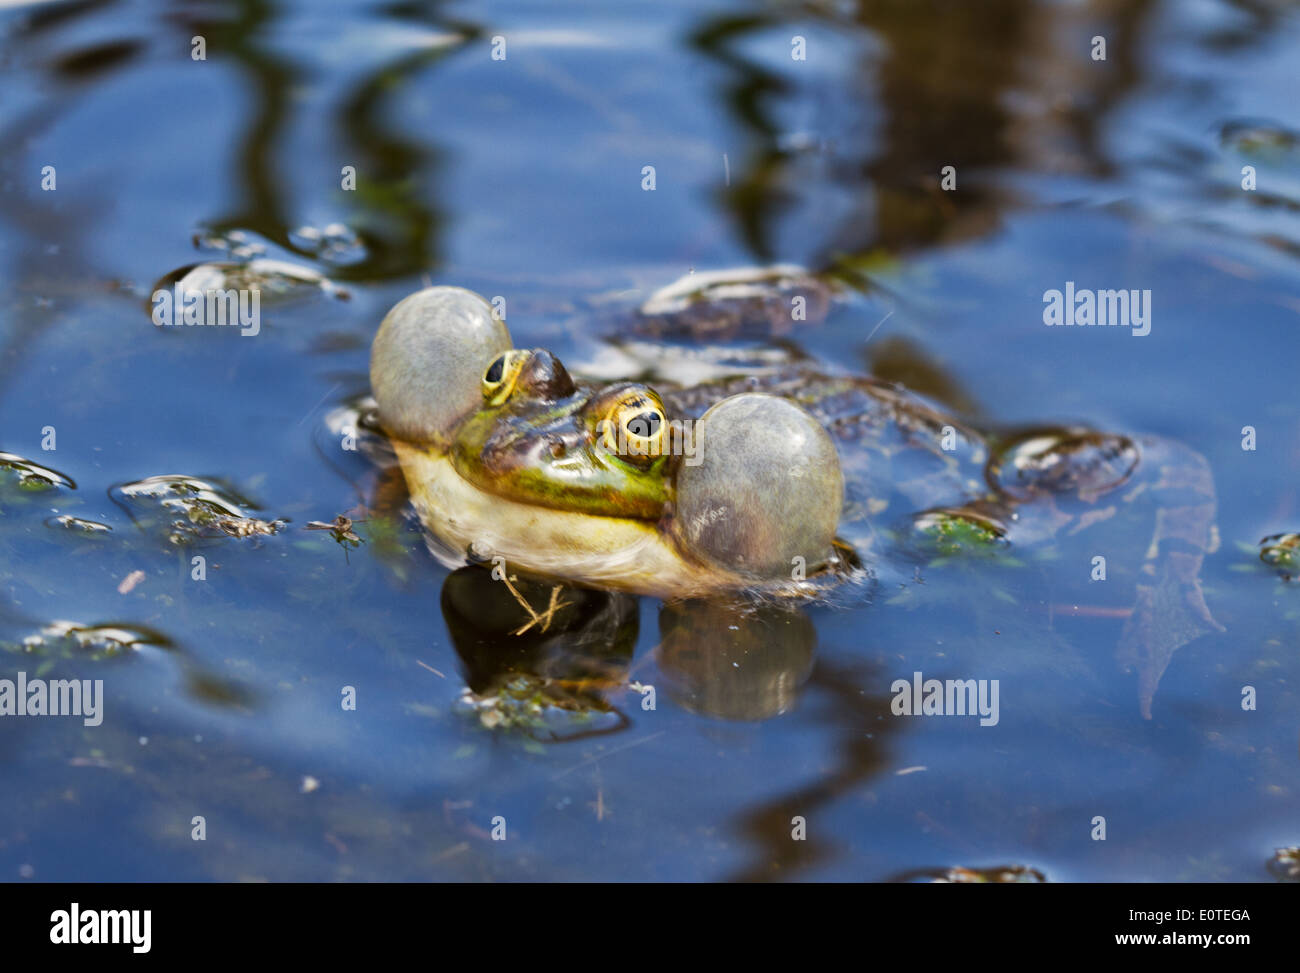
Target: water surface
[{"x": 523, "y": 178}]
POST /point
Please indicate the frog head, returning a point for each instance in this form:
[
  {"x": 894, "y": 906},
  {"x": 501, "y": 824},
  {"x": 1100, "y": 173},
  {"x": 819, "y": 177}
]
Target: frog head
[{"x": 541, "y": 438}]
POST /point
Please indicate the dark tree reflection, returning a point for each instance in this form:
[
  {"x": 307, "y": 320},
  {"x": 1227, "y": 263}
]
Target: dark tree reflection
[{"x": 971, "y": 86}]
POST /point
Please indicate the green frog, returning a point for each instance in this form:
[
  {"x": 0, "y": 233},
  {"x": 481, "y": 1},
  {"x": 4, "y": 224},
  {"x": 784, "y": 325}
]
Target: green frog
[{"x": 765, "y": 476}]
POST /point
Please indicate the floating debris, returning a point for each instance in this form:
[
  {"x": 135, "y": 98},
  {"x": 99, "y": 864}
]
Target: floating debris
[
  {"x": 741, "y": 283},
  {"x": 1006, "y": 874},
  {"x": 1281, "y": 551},
  {"x": 78, "y": 524},
  {"x": 956, "y": 530},
  {"x": 1285, "y": 864},
  {"x": 1062, "y": 461},
  {"x": 240, "y": 244},
  {"x": 32, "y": 476},
  {"x": 274, "y": 278},
  {"x": 547, "y": 710},
  {"x": 128, "y": 584},
  {"x": 335, "y": 244},
  {"x": 1259, "y": 138},
  {"x": 63, "y": 638},
  {"x": 208, "y": 509},
  {"x": 270, "y": 279},
  {"x": 1000, "y": 875},
  {"x": 753, "y": 302}
]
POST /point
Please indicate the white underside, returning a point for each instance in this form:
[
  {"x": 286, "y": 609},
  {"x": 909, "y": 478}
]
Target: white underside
[{"x": 605, "y": 552}]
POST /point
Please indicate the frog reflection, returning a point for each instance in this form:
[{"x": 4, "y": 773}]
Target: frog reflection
[
  {"x": 735, "y": 662},
  {"x": 555, "y": 662},
  {"x": 550, "y": 672}
]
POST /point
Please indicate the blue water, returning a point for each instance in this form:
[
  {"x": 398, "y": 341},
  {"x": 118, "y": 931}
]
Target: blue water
[{"x": 523, "y": 178}]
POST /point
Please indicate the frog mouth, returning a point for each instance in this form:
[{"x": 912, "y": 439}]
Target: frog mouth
[{"x": 564, "y": 486}]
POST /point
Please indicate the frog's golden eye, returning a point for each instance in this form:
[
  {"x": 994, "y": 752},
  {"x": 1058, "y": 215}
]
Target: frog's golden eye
[
  {"x": 499, "y": 379},
  {"x": 635, "y": 428}
]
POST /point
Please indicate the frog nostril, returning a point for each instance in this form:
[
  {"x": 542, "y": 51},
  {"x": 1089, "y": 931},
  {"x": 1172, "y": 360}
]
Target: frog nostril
[{"x": 558, "y": 449}]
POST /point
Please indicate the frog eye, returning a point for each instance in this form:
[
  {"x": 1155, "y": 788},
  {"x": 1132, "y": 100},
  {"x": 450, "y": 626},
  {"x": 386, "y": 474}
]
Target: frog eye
[
  {"x": 635, "y": 428},
  {"x": 499, "y": 379}
]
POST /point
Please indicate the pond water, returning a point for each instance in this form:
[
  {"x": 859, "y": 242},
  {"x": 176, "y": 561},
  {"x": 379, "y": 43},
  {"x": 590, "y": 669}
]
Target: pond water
[{"x": 813, "y": 134}]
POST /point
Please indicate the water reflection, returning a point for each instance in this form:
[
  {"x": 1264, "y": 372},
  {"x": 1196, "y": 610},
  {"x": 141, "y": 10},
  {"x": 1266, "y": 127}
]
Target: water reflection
[
  {"x": 529, "y": 648},
  {"x": 537, "y": 657},
  {"x": 983, "y": 88},
  {"x": 735, "y": 661},
  {"x": 397, "y": 168},
  {"x": 393, "y": 169},
  {"x": 856, "y": 754},
  {"x": 48, "y": 268},
  {"x": 839, "y": 169}
]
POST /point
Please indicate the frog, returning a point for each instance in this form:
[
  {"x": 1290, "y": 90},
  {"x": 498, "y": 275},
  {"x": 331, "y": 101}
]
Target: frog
[{"x": 763, "y": 478}]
